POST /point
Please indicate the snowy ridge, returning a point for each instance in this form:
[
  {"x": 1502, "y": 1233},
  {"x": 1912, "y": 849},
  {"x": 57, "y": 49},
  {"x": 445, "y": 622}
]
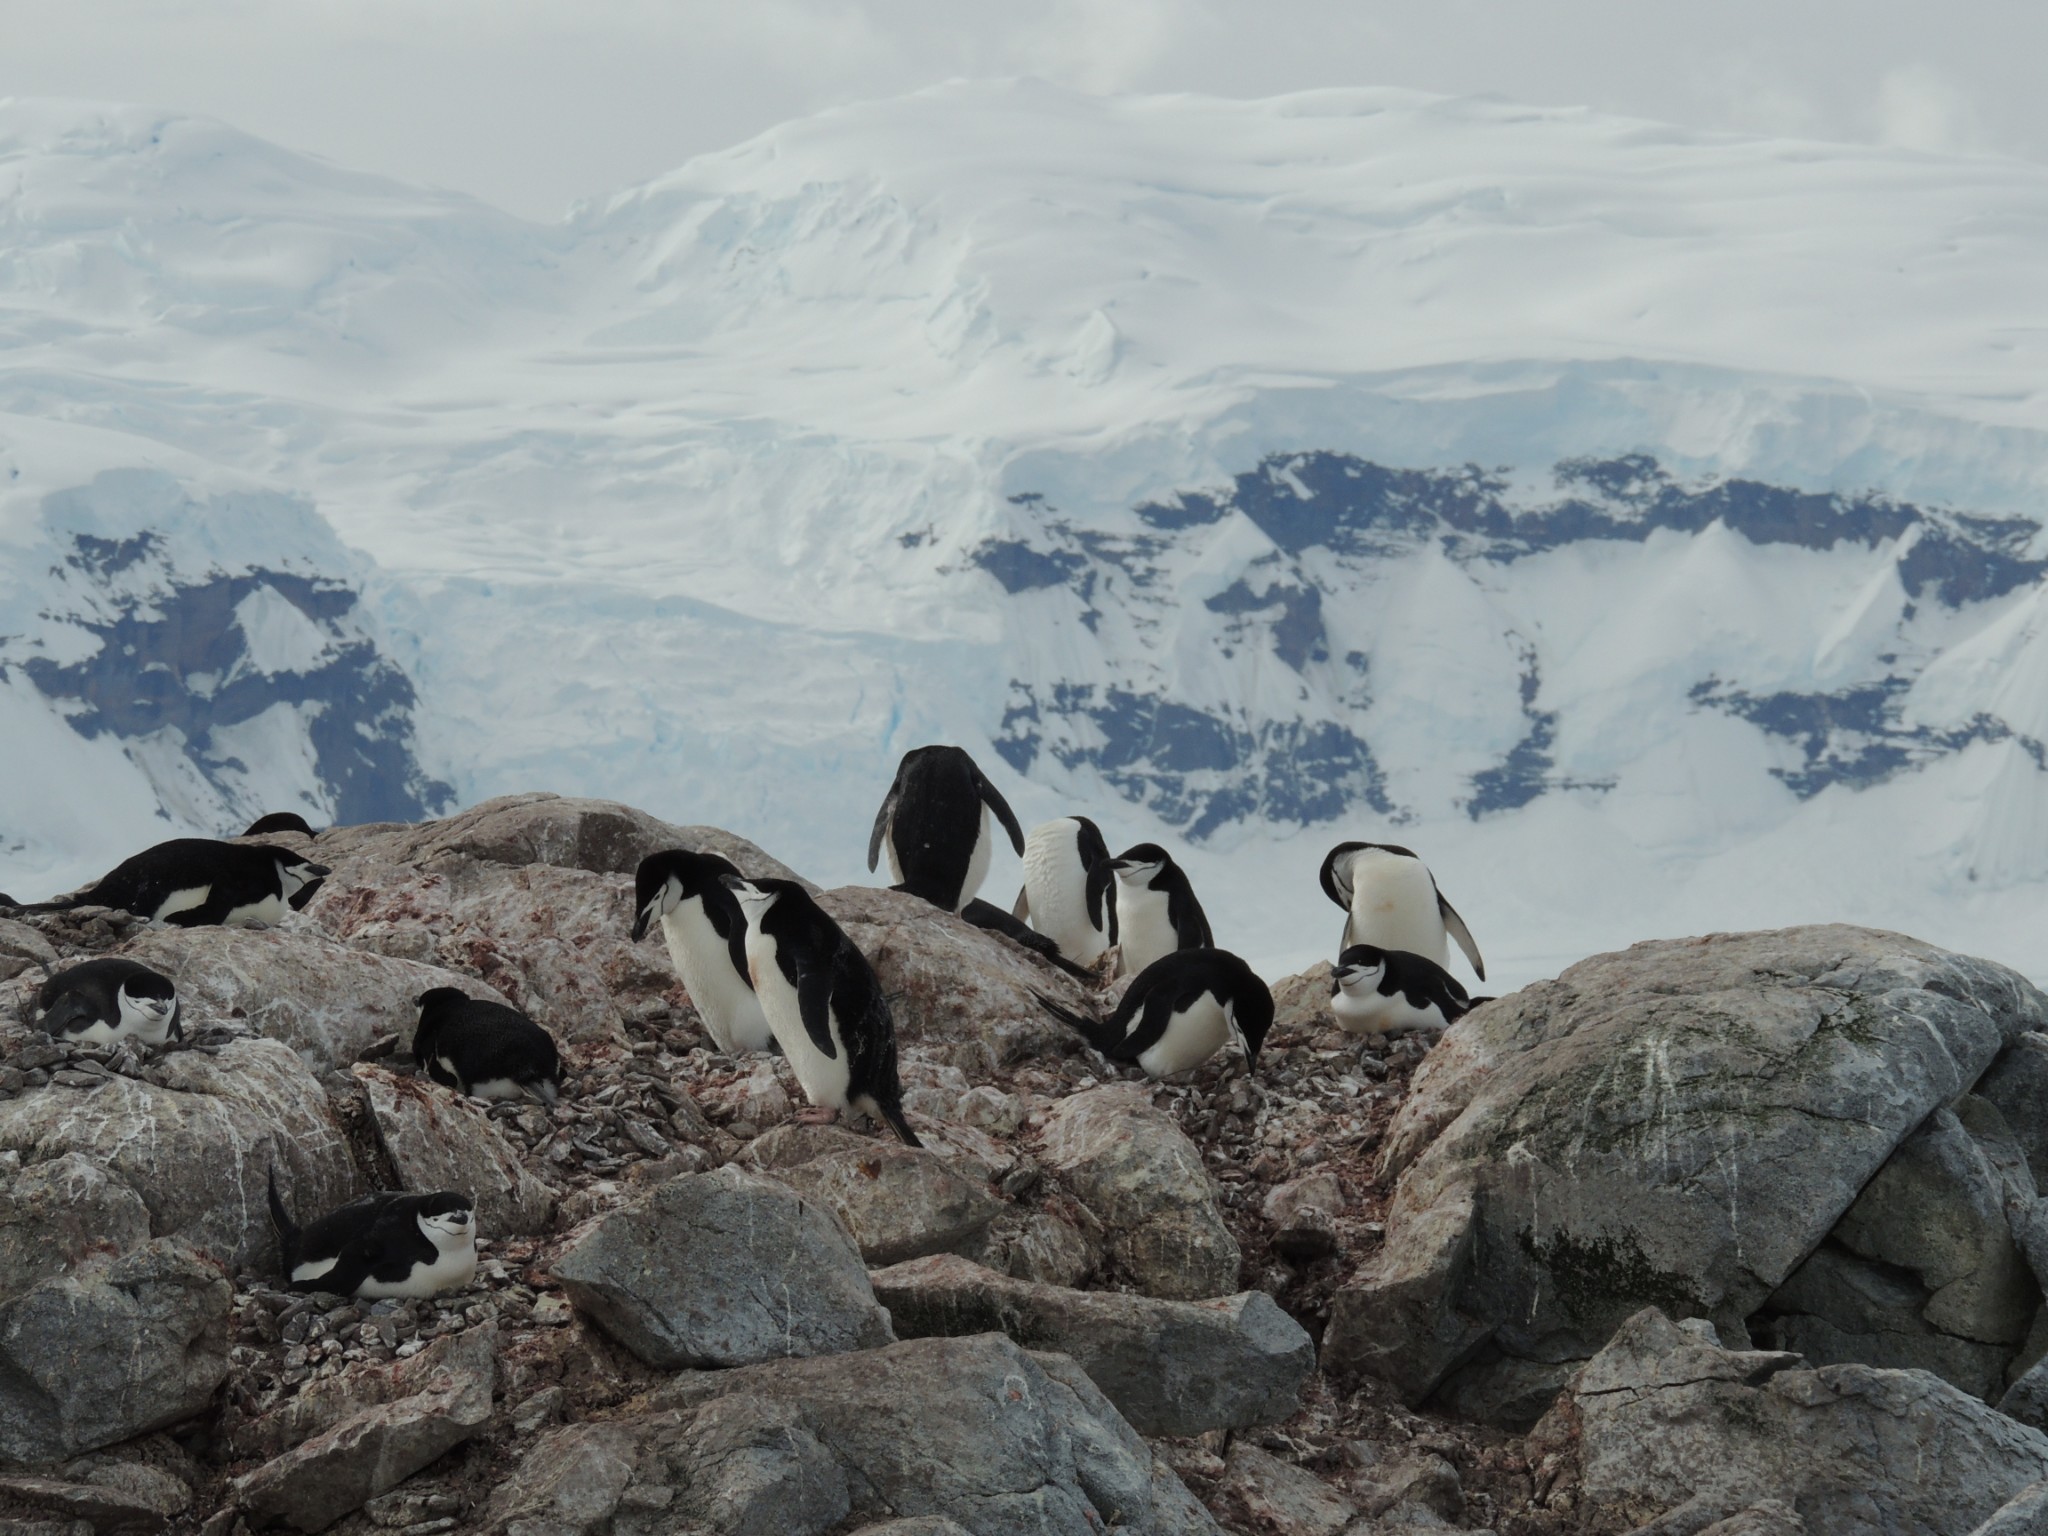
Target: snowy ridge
[{"x": 1646, "y": 524}]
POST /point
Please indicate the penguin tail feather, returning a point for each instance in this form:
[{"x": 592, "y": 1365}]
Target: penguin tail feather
[
  {"x": 542, "y": 1091},
  {"x": 1091, "y": 1030},
  {"x": 280, "y": 1218},
  {"x": 892, "y": 1112}
]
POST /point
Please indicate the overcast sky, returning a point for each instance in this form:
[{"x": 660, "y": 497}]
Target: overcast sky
[{"x": 533, "y": 104}]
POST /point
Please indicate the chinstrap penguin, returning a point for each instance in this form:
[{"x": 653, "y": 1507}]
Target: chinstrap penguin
[
  {"x": 1069, "y": 890},
  {"x": 823, "y": 1002},
  {"x": 1156, "y": 910},
  {"x": 280, "y": 821},
  {"x": 1387, "y": 992},
  {"x": 484, "y": 1049},
  {"x": 197, "y": 882},
  {"x": 1391, "y": 902},
  {"x": 110, "y": 999},
  {"x": 706, "y": 934},
  {"x": 934, "y": 824},
  {"x": 381, "y": 1245},
  {"x": 1179, "y": 1011}
]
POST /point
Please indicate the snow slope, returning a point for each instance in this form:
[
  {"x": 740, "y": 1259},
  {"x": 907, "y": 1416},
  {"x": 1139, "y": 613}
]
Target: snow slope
[{"x": 1645, "y": 525}]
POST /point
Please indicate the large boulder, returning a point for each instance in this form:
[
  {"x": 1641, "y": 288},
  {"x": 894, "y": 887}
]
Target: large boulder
[
  {"x": 437, "y": 1139},
  {"x": 325, "y": 1000},
  {"x": 196, "y": 1140},
  {"x": 898, "y": 1202},
  {"x": 1664, "y": 1417},
  {"x": 1171, "y": 1367},
  {"x": 110, "y": 1351},
  {"x": 1002, "y": 1442},
  {"x": 532, "y": 894},
  {"x": 2018, "y": 1085},
  {"x": 723, "y": 1268},
  {"x": 1144, "y": 1181},
  {"x": 380, "y": 1445},
  {"x": 950, "y": 983},
  {"x": 56, "y": 1214},
  {"x": 1677, "y": 1125}
]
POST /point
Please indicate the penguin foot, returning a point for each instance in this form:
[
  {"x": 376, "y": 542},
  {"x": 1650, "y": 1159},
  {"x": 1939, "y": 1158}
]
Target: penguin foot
[{"x": 815, "y": 1115}]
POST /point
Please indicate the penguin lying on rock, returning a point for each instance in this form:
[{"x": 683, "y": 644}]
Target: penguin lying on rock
[
  {"x": 485, "y": 1049},
  {"x": 197, "y": 882},
  {"x": 823, "y": 1002},
  {"x": 1387, "y": 992},
  {"x": 381, "y": 1245},
  {"x": 110, "y": 999},
  {"x": 1178, "y": 1012},
  {"x": 280, "y": 821}
]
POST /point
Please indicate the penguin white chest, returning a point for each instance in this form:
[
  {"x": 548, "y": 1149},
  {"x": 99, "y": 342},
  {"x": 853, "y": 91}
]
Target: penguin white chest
[
  {"x": 452, "y": 1267},
  {"x": 181, "y": 901},
  {"x": 1057, "y": 887},
  {"x": 1143, "y": 926},
  {"x": 977, "y": 862},
  {"x": 268, "y": 911},
  {"x": 824, "y": 1079},
  {"x": 1394, "y": 907},
  {"x": 728, "y": 1006},
  {"x": 1191, "y": 1038}
]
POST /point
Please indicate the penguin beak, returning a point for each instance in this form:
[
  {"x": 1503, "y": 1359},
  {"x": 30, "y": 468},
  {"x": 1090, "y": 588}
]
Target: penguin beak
[{"x": 318, "y": 871}]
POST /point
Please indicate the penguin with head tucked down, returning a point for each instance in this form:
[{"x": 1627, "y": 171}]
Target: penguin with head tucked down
[
  {"x": 823, "y": 1002},
  {"x": 934, "y": 824},
  {"x": 1179, "y": 1011},
  {"x": 1388, "y": 992},
  {"x": 197, "y": 882},
  {"x": 280, "y": 821},
  {"x": 1156, "y": 910},
  {"x": 1069, "y": 890},
  {"x": 381, "y": 1245},
  {"x": 706, "y": 935},
  {"x": 1391, "y": 902},
  {"x": 110, "y": 999},
  {"x": 485, "y": 1049}
]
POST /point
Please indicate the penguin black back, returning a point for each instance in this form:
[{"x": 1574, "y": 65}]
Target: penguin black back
[
  {"x": 386, "y": 1244},
  {"x": 279, "y": 821},
  {"x": 823, "y": 1001},
  {"x": 111, "y": 998},
  {"x": 933, "y": 821},
  {"x": 1179, "y": 1011},
  {"x": 198, "y": 882},
  {"x": 485, "y": 1049}
]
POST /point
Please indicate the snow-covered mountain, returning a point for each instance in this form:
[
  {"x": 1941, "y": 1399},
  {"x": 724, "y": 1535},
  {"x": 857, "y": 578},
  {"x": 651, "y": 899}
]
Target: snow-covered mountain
[{"x": 1645, "y": 525}]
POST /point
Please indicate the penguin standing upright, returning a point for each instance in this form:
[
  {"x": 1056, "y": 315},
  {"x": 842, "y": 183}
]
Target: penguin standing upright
[
  {"x": 934, "y": 823},
  {"x": 706, "y": 935},
  {"x": 381, "y": 1245},
  {"x": 197, "y": 882},
  {"x": 1179, "y": 1011},
  {"x": 1391, "y": 902},
  {"x": 1069, "y": 887},
  {"x": 823, "y": 1002},
  {"x": 484, "y": 1049},
  {"x": 1387, "y": 992},
  {"x": 1156, "y": 910},
  {"x": 110, "y": 999}
]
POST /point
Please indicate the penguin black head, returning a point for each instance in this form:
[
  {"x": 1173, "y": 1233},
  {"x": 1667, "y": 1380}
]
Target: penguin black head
[
  {"x": 1336, "y": 871},
  {"x": 664, "y": 881},
  {"x": 447, "y": 1214},
  {"x": 756, "y": 897},
  {"x": 437, "y": 998},
  {"x": 279, "y": 821},
  {"x": 1250, "y": 1008},
  {"x": 1137, "y": 866},
  {"x": 298, "y": 877},
  {"x": 1361, "y": 965}
]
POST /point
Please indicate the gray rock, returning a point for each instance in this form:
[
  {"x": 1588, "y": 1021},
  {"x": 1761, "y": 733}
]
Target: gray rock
[
  {"x": 327, "y": 1401},
  {"x": 1727, "y": 1516},
  {"x": 975, "y": 1431},
  {"x": 22, "y": 947},
  {"x": 120, "y": 1499},
  {"x": 1268, "y": 1494},
  {"x": 2018, "y": 1084},
  {"x": 723, "y": 1268},
  {"x": 1663, "y": 1415},
  {"x": 920, "y": 1525},
  {"x": 375, "y": 1449},
  {"x": 2024, "y": 1514},
  {"x": 1171, "y": 1367},
  {"x": 110, "y": 1351},
  {"x": 299, "y": 985},
  {"x": 437, "y": 1139},
  {"x": 898, "y": 1202},
  {"x": 54, "y": 1214},
  {"x": 1144, "y": 1180},
  {"x": 1678, "y": 1125},
  {"x": 951, "y": 983},
  {"x": 2027, "y": 1398},
  {"x": 197, "y": 1143}
]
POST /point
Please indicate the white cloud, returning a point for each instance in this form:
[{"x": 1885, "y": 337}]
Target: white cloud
[{"x": 1920, "y": 108}]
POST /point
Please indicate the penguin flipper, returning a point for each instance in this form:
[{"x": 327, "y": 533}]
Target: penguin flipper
[
  {"x": 1020, "y": 909},
  {"x": 1454, "y": 925},
  {"x": 1104, "y": 1037},
  {"x": 814, "y": 1006},
  {"x": 287, "y": 1229},
  {"x": 1102, "y": 900},
  {"x": 984, "y": 914},
  {"x": 993, "y": 799},
  {"x": 65, "y": 1012},
  {"x": 882, "y": 819}
]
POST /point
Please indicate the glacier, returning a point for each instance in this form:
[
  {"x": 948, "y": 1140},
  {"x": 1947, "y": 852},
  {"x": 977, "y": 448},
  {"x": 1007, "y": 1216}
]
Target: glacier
[{"x": 1643, "y": 524}]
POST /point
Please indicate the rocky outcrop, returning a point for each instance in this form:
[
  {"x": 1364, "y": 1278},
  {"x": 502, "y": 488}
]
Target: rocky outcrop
[
  {"x": 898, "y": 1202},
  {"x": 977, "y": 1431},
  {"x": 437, "y": 1139},
  {"x": 1171, "y": 1367},
  {"x": 1679, "y": 1125},
  {"x": 53, "y": 1215},
  {"x": 1664, "y": 1418},
  {"x": 110, "y": 1351},
  {"x": 1144, "y": 1181},
  {"x": 723, "y": 1268}
]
